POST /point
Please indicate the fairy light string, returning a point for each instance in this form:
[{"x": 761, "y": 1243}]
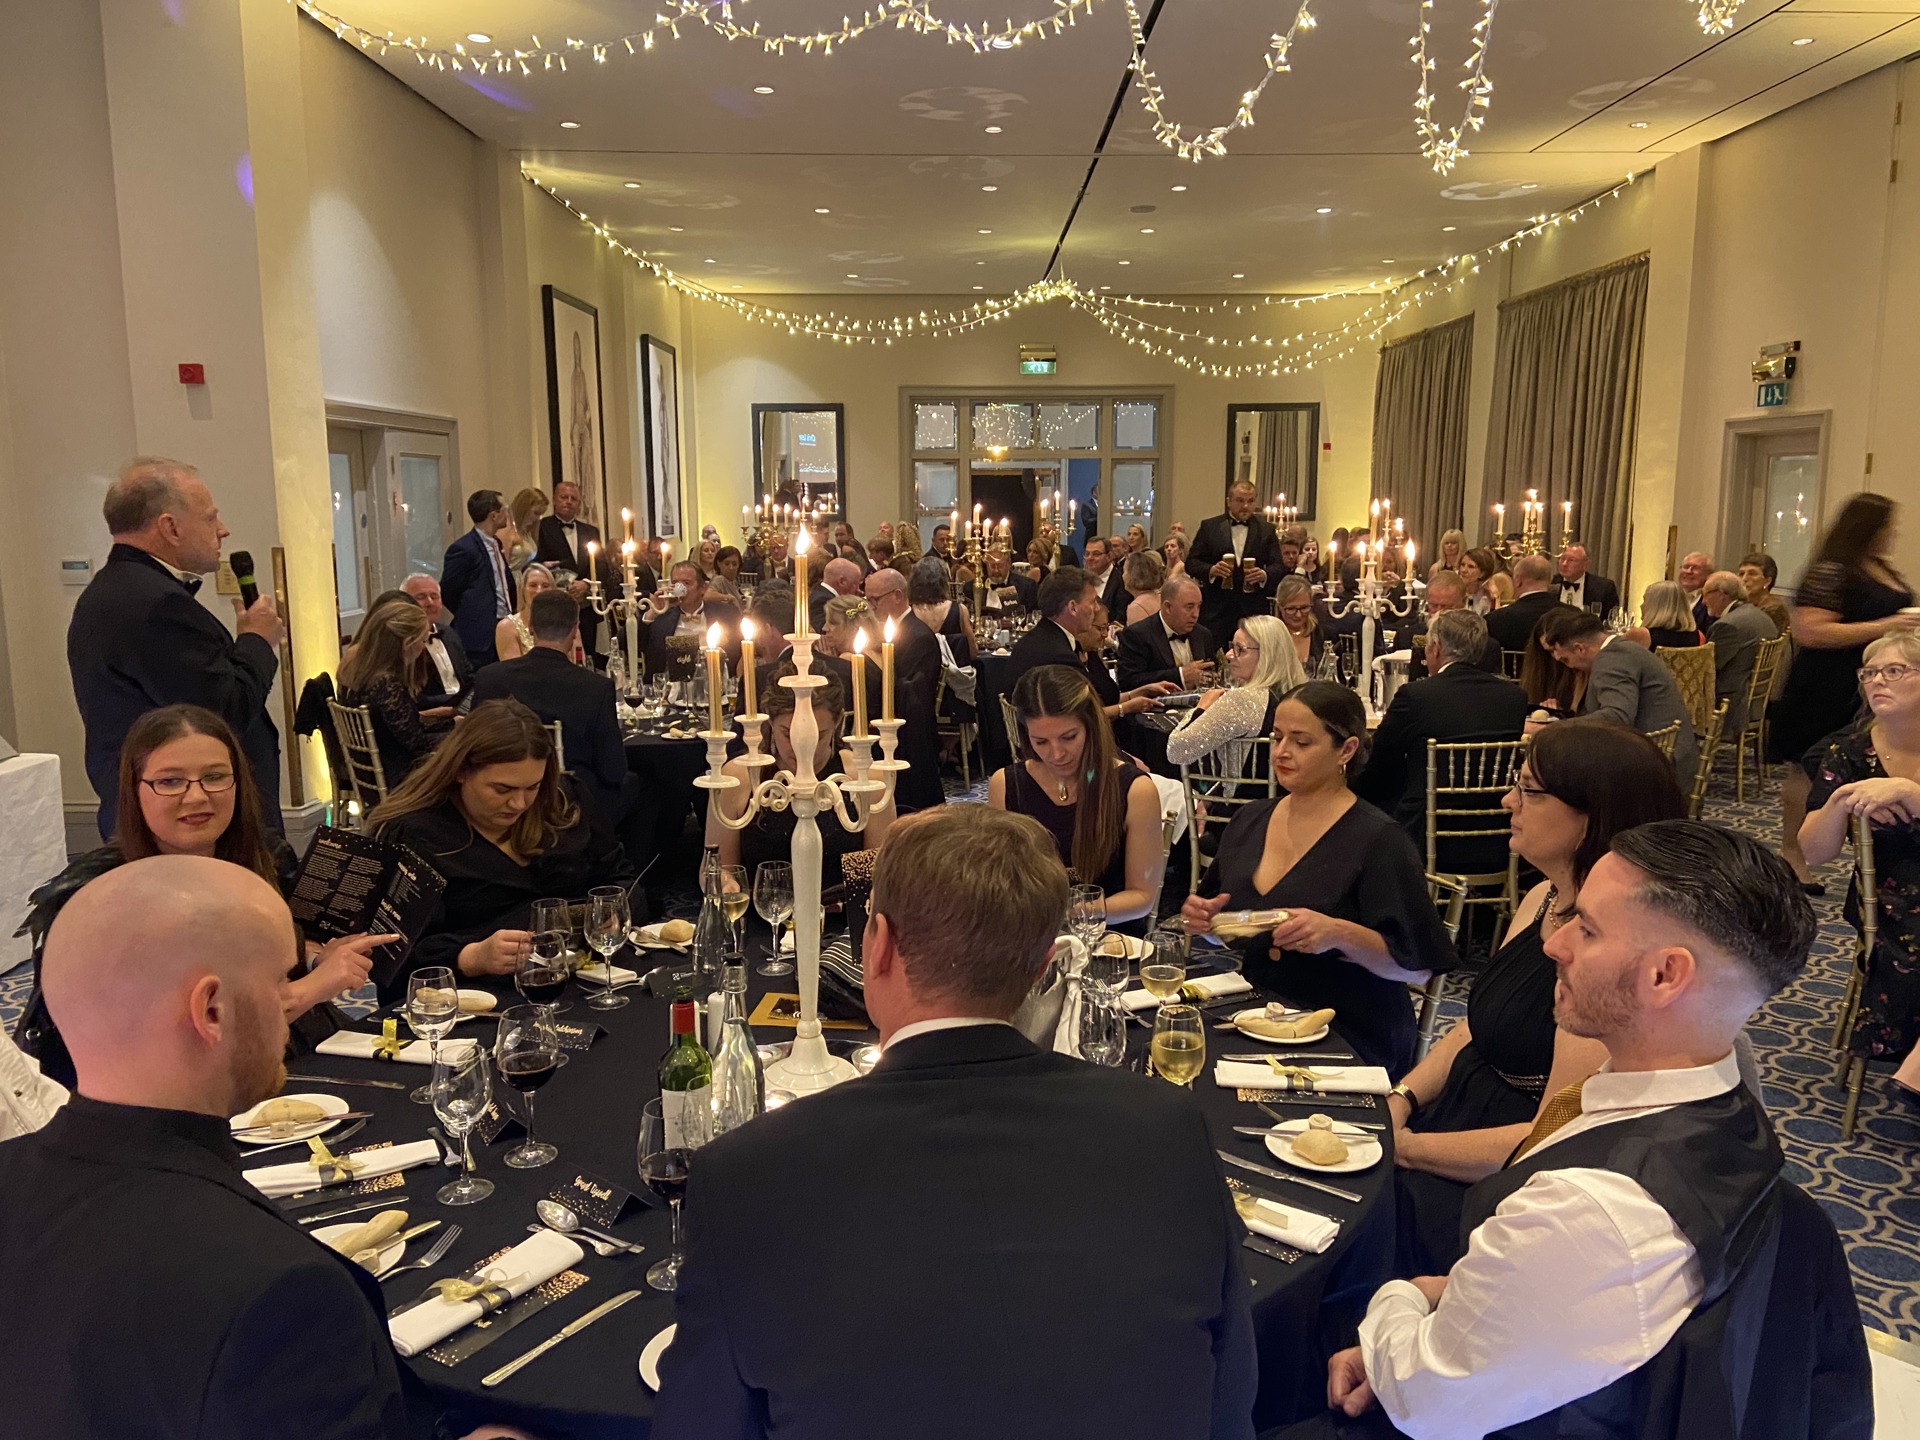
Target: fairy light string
[
  {"x": 1207, "y": 142},
  {"x": 1444, "y": 148}
]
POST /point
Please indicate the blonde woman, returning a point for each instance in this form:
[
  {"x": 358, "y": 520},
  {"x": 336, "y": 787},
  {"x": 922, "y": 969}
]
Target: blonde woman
[
  {"x": 527, "y": 509},
  {"x": 1499, "y": 590},
  {"x": 1666, "y": 619},
  {"x": 513, "y": 636},
  {"x": 1264, "y": 665},
  {"x": 1453, "y": 548},
  {"x": 1173, "y": 553}
]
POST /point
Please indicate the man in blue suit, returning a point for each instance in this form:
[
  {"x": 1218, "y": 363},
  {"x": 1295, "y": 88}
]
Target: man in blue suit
[{"x": 475, "y": 585}]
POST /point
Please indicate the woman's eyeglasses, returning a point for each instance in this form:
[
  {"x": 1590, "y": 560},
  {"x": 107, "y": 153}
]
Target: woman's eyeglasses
[
  {"x": 214, "y": 782},
  {"x": 1237, "y": 650},
  {"x": 1892, "y": 674},
  {"x": 1528, "y": 792}
]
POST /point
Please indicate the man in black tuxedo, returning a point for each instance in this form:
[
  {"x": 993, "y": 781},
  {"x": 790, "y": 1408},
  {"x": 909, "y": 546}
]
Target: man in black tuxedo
[
  {"x": 916, "y": 681},
  {"x": 548, "y": 683},
  {"x": 1066, "y": 600},
  {"x": 475, "y": 583},
  {"x": 1445, "y": 591},
  {"x": 1236, "y": 559},
  {"x": 1172, "y": 645},
  {"x": 1534, "y": 593},
  {"x": 688, "y": 613},
  {"x": 840, "y": 576},
  {"x": 1581, "y": 588},
  {"x": 450, "y": 672},
  {"x": 1106, "y": 575},
  {"x": 561, "y": 539},
  {"x": 1693, "y": 573},
  {"x": 1007, "y": 1168},
  {"x": 139, "y": 639},
  {"x": 1002, "y": 576},
  {"x": 1457, "y": 702},
  {"x": 151, "y": 1290}
]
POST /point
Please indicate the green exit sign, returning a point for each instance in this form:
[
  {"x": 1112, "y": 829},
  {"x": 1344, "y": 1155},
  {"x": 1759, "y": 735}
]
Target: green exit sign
[
  {"x": 1039, "y": 367},
  {"x": 1772, "y": 393}
]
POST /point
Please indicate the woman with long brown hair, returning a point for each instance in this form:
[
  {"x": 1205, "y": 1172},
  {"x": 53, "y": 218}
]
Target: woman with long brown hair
[
  {"x": 1101, "y": 808},
  {"x": 384, "y": 673},
  {"x": 492, "y": 812}
]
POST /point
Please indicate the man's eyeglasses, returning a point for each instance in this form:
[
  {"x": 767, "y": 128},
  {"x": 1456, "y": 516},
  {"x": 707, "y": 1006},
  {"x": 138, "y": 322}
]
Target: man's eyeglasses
[
  {"x": 1892, "y": 674},
  {"x": 214, "y": 782}
]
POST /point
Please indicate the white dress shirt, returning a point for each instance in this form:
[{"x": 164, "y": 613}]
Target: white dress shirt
[
  {"x": 945, "y": 1022},
  {"x": 567, "y": 528},
  {"x": 1574, "y": 593},
  {"x": 1182, "y": 644},
  {"x": 1238, "y": 530},
  {"x": 1577, "y": 1279},
  {"x": 443, "y": 663},
  {"x": 501, "y": 609},
  {"x": 693, "y": 624}
]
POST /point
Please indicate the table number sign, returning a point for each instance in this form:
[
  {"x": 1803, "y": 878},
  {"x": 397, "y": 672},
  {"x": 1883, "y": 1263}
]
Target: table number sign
[
  {"x": 576, "y": 1037},
  {"x": 596, "y": 1201}
]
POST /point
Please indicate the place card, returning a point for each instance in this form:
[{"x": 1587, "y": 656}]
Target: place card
[
  {"x": 596, "y": 1201},
  {"x": 498, "y": 1120},
  {"x": 577, "y": 1037},
  {"x": 1299, "y": 1097},
  {"x": 784, "y": 1011}
]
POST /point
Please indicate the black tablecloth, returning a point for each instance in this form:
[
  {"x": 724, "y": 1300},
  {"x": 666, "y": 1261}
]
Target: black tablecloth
[
  {"x": 590, "y": 1386},
  {"x": 668, "y": 769}
]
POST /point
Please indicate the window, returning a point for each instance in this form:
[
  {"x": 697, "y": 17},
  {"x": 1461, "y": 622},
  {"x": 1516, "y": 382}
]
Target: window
[
  {"x": 1136, "y": 425},
  {"x": 936, "y": 426}
]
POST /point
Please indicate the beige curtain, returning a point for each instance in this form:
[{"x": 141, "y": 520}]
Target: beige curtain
[
  {"x": 1277, "y": 456},
  {"x": 1420, "y": 430},
  {"x": 1566, "y": 387}
]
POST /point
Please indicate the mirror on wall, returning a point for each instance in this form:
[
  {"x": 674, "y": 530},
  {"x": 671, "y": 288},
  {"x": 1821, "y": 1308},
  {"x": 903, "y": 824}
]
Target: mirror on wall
[
  {"x": 1277, "y": 448},
  {"x": 800, "y": 456}
]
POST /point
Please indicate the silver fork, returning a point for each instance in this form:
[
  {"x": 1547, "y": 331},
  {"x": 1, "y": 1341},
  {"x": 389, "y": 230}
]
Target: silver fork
[{"x": 432, "y": 1257}]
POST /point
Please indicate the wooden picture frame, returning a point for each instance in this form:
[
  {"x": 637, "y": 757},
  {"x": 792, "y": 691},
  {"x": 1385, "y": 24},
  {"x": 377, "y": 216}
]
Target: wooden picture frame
[
  {"x": 659, "y": 380},
  {"x": 576, "y": 416}
]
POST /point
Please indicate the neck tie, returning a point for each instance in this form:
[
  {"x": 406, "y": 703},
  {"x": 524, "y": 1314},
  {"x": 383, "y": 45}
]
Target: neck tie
[{"x": 1560, "y": 1110}]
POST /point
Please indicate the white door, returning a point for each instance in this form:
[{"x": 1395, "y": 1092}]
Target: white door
[
  {"x": 1780, "y": 477},
  {"x": 413, "y": 505}
]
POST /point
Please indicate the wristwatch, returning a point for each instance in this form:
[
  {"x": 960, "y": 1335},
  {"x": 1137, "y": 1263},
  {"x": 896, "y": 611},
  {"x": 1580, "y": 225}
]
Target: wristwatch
[{"x": 1405, "y": 1092}]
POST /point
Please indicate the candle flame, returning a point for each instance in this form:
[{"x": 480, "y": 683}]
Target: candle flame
[
  {"x": 666, "y": 550},
  {"x": 626, "y": 514},
  {"x": 593, "y": 547},
  {"x": 713, "y": 635},
  {"x": 860, "y": 641},
  {"x": 746, "y": 628},
  {"x": 887, "y": 632},
  {"x": 627, "y": 547},
  {"x": 801, "y": 541}
]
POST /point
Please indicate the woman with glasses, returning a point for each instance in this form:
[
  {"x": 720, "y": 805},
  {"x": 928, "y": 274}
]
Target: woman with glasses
[
  {"x": 1460, "y": 1112},
  {"x": 1263, "y": 665},
  {"x": 1293, "y": 602},
  {"x": 185, "y": 789},
  {"x": 1874, "y": 770}
]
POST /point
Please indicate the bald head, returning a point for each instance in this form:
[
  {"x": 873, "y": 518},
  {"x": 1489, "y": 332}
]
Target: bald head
[
  {"x": 1531, "y": 573},
  {"x": 842, "y": 577},
  {"x": 165, "y": 978}
]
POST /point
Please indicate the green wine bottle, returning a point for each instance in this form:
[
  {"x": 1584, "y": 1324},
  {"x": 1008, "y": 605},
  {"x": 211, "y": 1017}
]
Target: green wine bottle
[{"x": 686, "y": 1084}]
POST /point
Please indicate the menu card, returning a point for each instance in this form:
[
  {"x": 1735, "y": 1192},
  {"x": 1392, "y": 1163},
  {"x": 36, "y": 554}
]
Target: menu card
[{"x": 353, "y": 884}]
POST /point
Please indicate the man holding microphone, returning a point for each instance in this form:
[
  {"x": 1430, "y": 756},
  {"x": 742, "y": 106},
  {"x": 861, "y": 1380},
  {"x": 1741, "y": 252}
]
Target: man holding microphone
[{"x": 140, "y": 639}]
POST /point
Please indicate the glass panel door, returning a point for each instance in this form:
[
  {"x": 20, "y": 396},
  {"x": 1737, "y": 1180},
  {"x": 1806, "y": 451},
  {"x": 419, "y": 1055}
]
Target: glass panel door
[
  {"x": 352, "y": 545},
  {"x": 1792, "y": 484},
  {"x": 412, "y": 506}
]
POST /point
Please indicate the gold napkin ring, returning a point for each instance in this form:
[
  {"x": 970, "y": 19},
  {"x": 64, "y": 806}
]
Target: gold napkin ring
[
  {"x": 388, "y": 1047},
  {"x": 491, "y": 1291},
  {"x": 330, "y": 1166}
]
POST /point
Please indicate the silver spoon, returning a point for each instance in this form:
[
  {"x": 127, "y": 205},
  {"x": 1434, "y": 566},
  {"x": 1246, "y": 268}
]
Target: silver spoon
[
  {"x": 559, "y": 1217},
  {"x": 600, "y": 1247}
]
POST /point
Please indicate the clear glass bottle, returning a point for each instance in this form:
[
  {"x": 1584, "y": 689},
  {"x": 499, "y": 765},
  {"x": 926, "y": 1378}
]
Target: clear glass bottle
[
  {"x": 711, "y": 932},
  {"x": 739, "y": 1083},
  {"x": 686, "y": 1083}
]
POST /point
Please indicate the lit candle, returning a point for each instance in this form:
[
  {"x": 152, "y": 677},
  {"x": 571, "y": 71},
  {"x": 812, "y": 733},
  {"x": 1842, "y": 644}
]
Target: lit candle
[
  {"x": 746, "y": 517},
  {"x": 800, "y": 543},
  {"x": 886, "y": 670},
  {"x": 593, "y": 553},
  {"x": 716, "y": 688},
  {"x": 1373, "y": 510},
  {"x": 746, "y": 666},
  {"x": 633, "y": 615},
  {"x": 977, "y": 508},
  {"x": 626, "y": 519},
  {"x": 859, "y": 682},
  {"x": 1044, "y": 502},
  {"x": 1409, "y": 559},
  {"x": 1073, "y": 514},
  {"x": 953, "y": 522},
  {"x": 1333, "y": 552}
]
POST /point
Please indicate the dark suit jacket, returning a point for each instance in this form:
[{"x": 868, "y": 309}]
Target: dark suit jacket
[
  {"x": 1736, "y": 638},
  {"x": 916, "y": 680},
  {"x": 1222, "y": 605},
  {"x": 1489, "y": 660},
  {"x": 139, "y": 640},
  {"x": 151, "y": 1291},
  {"x": 1113, "y": 594},
  {"x": 1146, "y": 655},
  {"x": 467, "y": 591},
  {"x": 550, "y": 548},
  {"x": 1008, "y": 1171},
  {"x": 817, "y": 601},
  {"x": 1600, "y": 595},
  {"x": 1702, "y": 621},
  {"x": 1512, "y": 625},
  {"x": 1462, "y": 702},
  {"x": 555, "y": 688},
  {"x": 659, "y": 629},
  {"x": 433, "y": 694},
  {"x": 1027, "y": 592},
  {"x": 1045, "y": 644}
]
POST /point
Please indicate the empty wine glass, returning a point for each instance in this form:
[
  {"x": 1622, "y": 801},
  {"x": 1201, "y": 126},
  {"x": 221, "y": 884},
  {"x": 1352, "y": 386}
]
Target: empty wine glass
[
  {"x": 664, "y": 1168},
  {"x": 1103, "y": 1030},
  {"x": 1087, "y": 914},
  {"x": 527, "y": 1052},
  {"x": 433, "y": 1008},
  {"x": 462, "y": 1088},
  {"x": 606, "y": 933},
  {"x": 1179, "y": 1046},
  {"x": 773, "y": 902}
]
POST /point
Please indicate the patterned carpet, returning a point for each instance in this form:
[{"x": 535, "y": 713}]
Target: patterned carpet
[{"x": 1871, "y": 1187}]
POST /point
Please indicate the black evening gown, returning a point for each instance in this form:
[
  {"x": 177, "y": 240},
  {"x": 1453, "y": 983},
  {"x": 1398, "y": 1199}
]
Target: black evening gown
[
  {"x": 770, "y": 837},
  {"x": 1024, "y": 797},
  {"x": 1496, "y": 1079},
  {"x": 1364, "y": 869},
  {"x": 1822, "y": 693},
  {"x": 1673, "y": 639}
]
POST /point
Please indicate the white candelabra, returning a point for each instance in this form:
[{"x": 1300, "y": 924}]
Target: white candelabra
[
  {"x": 1372, "y": 603},
  {"x": 851, "y": 800},
  {"x": 624, "y": 609}
]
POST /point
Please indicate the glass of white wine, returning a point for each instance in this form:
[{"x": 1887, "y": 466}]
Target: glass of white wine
[
  {"x": 1179, "y": 1047},
  {"x": 735, "y": 897},
  {"x": 1164, "y": 969}
]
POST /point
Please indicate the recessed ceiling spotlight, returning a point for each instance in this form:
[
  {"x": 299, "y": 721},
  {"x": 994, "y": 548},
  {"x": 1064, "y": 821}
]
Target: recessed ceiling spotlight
[
  {"x": 979, "y": 287},
  {"x": 1126, "y": 262},
  {"x": 1324, "y": 210},
  {"x": 989, "y": 188},
  {"x": 1449, "y": 228},
  {"x": 1636, "y": 125},
  {"x": 477, "y": 38},
  {"x": 852, "y": 276},
  {"x": 1389, "y": 262},
  {"x": 763, "y": 89},
  {"x": 1804, "y": 40},
  {"x": 1106, "y": 287},
  {"x": 1239, "y": 274},
  {"x": 993, "y": 129},
  {"x": 633, "y": 184},
  {"x": 569, "y": 124},
  {"x": 979, "y": 262},
  {"x": 821, "y": 210},
  {"x": 676, "y": 229},
  {"x": 986, "y": 232},
  {"x": 1177, "y": 189},
  {"x": 708, "y": 261},
  {"x": 1146, "y": 230}
]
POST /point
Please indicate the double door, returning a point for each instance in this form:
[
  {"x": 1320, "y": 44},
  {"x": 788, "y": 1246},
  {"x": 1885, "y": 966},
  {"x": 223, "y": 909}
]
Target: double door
[{"x": 395, "y": 509}]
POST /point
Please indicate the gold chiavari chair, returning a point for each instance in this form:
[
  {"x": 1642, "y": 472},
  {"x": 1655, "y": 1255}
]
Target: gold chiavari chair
[
  {"x": 1214, "y": 791},
  {"x": 1709, "y": 738},
  {"x": 1452, "y": 912},
  {"x": 1853, "y": 1068},
  {"x": 1766, "y": 669},
  {"x": 365, "y": 775},
  {"x": 559, "y": 744},
  {"x": 1666, "y": 737},
  {"x": 1693, "y": 672},
  {"x": 1511, "y": 661}
]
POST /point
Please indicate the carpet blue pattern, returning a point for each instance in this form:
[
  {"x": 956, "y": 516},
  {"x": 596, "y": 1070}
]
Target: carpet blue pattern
[{"x": 1870, "y": 1187}]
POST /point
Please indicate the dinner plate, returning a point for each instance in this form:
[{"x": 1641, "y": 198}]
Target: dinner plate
[
  {"x": 1363, "y": 1150},
  {"x": 332, "y": 1104},
  {"x": 647, "y": 937},
  {"x": 650, "y": 1357},
  {"x": 390, "y": 1252},
  {"x": 486, "y": 1001},
  {"x": 1137, "y": 949},
  {"x": 1307, "y": 1039}
]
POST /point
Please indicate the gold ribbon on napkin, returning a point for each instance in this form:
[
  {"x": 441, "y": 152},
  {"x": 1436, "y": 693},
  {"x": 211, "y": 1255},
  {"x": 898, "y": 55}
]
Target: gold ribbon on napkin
[
  {"x": 330, "y": 1166},
  {"x": 389, "y": 1046},
  {"x": 489, "y": 1290},
  {"x": 1248, "y": 1207},
  {"x": 1298, "y": 1077}
]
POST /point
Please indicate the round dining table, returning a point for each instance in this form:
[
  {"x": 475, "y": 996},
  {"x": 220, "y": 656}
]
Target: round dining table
[{"x": 590, "y": 1385}]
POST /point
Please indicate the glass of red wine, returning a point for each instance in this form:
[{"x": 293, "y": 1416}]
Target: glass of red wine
[
  {"x": 664, "y": 1169},
  {"x": 527, "y": 1052}
]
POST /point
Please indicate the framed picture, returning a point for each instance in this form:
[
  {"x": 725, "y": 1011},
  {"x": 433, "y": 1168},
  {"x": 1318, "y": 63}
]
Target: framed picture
[
  {"x": 1276, "y": 449},
  {"x": 660, "y": 435},
  {"x": 574, "y": 413}
]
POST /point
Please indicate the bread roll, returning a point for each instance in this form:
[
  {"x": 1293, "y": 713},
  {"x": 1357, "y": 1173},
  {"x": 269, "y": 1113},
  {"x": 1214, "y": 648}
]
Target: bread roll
[
  {"x": 676, "y": 932},
  {"x": 370, "y": 1236},
  {"x": 1283, "y": 1026},
  {"x": 287, "y": 1112},
  {"x": 1317, "y": 1144},
  {"x": 477, "y": 1002}
]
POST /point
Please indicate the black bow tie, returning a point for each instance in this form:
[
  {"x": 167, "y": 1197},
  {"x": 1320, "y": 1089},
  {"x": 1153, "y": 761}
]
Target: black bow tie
[{"x": 193, "y": 584}]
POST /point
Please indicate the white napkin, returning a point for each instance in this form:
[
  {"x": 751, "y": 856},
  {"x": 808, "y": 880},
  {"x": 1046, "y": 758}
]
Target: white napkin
[
  {"x": 534, "y": 1261},
  {"x": 597, "y": 973},
  {"x": 280, "y": 1180},
  {"x": 357, "y": 1045},
  {"x": 1211, "y": 987},
  {"x": 1334, "y": 1079},
  {"x": 1301, "y": 1229},
  {"x": 1071, "y": 957}
]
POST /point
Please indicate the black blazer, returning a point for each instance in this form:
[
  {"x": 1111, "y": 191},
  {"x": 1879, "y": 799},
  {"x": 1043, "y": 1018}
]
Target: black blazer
[
  {"x": 1599, "y": 595},
  {"x": 663, "y": 626},
  {"x": 555, "y": 688},
  {"x": 1222, "y": 605},
  {"x": 467, "y": 591},
  {"x": 1146, "y": 655},
  {"x": 817, "y": 599},
  {"x": 550, "y": 548},
  {"x": 486, "y": 891},
  {"x": 916, "y": 679},
  {"x": 1113, "y": 594},
  {"x": 1045, "y": 644},
  {"x": 1026, "y": 591},
  {"x": 433, "y": 694},
  {"x": 1489, "y": 660},
  {"x": 1462, "y": 702},
  {"x": 139, "y": 640},
  {"x": 1017, "y": 1167},
  {"x": 152, "y": 1291},
  {"x": 1512, "y": 625}
]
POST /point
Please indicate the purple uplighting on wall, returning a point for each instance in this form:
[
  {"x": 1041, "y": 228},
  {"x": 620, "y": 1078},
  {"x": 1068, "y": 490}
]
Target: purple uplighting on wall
[
  {"x": 243, "y": 178},
  {"x": 497, "y": 93}
]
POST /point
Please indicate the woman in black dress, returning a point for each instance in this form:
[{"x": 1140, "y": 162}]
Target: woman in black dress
[
  {"x": 492, "y": 812},
  {"x": 385, "y": 673},
  {"x": 1851, "y": 595},
  {"x": 1101, "y": 808},
  {"x": 1360, "y": 925},
  {"x": 1666, "y": 619},
  {"x": 1461, "y": 1111}
]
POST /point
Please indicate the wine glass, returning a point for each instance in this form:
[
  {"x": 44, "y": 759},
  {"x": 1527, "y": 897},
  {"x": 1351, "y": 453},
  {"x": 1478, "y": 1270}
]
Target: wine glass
[
  {"x": 549, "y": 916},
  {"x": 606, "y": 933},
  {"x": 1103, "y": 1030},
  {"x": 433, "y": 1008},
  {"x": 734, "y": 897},
  {"x": 664, "y": 1169},
  {"x": 1179, "y": 1045},
  {"x": 773, "y": 902},
  {"x": 1166, "y": 970},
  {"x": 462, "y": 1089},
  {"x": 1087, "y": 914},
  {"x": 542, "y": 973},
  {"x": 527, "y": 1052}
]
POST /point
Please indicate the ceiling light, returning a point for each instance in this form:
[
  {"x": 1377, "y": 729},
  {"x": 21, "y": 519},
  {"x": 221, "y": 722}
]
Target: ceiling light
[
  {"x": 763, "y": 89},
  {"x": 1178, "y": 188},
  {"x": 993, "y": 129},
  {"x": 708, "y": 261},
  {"x": 1804, "y": 40},
  {"x": 852, "y": 276},
  {"x": 1324, "y": 210},
  {"x": 821, "y": 210},
  {"x": 1146, "y": 230},
  {"x": 1448, "y": 229},
  {"x": 1126, "y": 262},
  {"x": 633, "y": 184},
  {"x": 1239, "y": 274},
  {"x": 1002, "y": 42},
  {"x": 979, "y": 262},
  {"x": 1636, "y": 125},
  {"x": 569, "y": 124},
  {"x": 477, "y": 38},
  {"x": 676, "y": 229},
  {"x": 979, "y": 287},
  {"x": 1388, "y": 262},
  {"x": 989, "y": 188},
  {"x": 1106, "y": 287},
  {"x": 986, "y": 232}
]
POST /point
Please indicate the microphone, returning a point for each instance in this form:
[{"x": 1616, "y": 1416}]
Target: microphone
[{"x": 242, "y": 564}]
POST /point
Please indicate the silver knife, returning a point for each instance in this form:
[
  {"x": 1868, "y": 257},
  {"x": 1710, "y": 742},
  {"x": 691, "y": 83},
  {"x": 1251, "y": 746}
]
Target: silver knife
[
  {"x": 1301, "y": 1058},
  {"x": 347, "y": 1134},
  {"x": 1274, "y": 1174},
  {"x": 335, "y": 1080},
  {"x": 381, "y": 1202},
  {"x": 605, "y": 1307},
  {"x": 243, "y": 1131},
  {"x": 1272, "y": 1249},
  {"x": 1266, "y": 1130}
]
